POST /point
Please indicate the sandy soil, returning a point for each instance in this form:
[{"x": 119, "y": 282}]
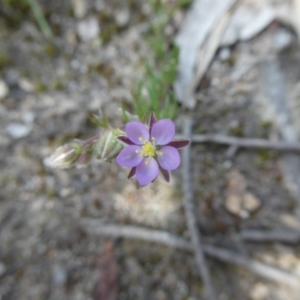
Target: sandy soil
[{"x": 54, "y": 86}]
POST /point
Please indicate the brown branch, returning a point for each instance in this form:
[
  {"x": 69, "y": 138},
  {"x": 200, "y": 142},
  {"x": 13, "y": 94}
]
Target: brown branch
[
  {"x": 190, "y": 214},
  {"x": 94, "y": 227},
  {"x": 243, "y": 142}
]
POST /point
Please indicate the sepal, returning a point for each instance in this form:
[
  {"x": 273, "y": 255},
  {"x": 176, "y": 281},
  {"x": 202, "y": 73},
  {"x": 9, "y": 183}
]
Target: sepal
[
  {"x": 108, "y": 146},
  {"x": 65, "y": 156}
]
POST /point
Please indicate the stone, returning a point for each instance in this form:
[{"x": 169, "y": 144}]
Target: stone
[
  {"x": 282, "y": 39},
  {"x": 88, "y": 29},
  {"x": 59, "y": 275},
  {"x": 290, "y": 221},
  {"x": 239, "y": 201},
  {"x": 80, "y": 8},
  {"x": 251, "y": 203},
  {"x": 122, "y": 18},
  {"x": 224, "y": 54},
  {"x": 259, "y": 291},
  {"x": 26, "y": 85},
  {"x": 18, "y": 130},
  {"x": 233, "y": 204}
]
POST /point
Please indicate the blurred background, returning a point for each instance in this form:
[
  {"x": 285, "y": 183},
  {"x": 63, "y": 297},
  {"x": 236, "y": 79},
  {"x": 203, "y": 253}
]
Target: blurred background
[{"x": 234, "y": 68}]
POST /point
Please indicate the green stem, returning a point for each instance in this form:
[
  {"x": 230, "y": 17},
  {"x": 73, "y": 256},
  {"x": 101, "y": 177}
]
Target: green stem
[{"x": 38, "y": 14}]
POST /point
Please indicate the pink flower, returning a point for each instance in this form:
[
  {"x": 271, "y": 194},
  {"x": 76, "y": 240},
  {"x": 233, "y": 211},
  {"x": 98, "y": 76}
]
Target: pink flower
[{"x": 150, "y": 149}]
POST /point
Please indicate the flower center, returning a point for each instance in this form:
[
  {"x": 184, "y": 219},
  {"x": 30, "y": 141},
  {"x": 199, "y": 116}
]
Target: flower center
[{"x": 148, "y": 149}]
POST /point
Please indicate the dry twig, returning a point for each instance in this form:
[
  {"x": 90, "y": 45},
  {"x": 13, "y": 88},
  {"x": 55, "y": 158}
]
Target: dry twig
[
  {"x": 93, "y": 226},
  {"x": 244, "y": 142},
  {"x": 292, "y": 237},
  {"x": 191, "y": 218}
]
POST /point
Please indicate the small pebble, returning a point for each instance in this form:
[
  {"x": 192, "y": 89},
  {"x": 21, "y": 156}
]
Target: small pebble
[
  {"x": 80, "y": 8},
  {"x": 88, "y": 29},
  {"x": 28, "y": 117},
  {"x": 75, "y": 64},
  {"x": 259, "y": 291},
  {"x": 18, "y": 130},
  {"x": 227, "y": 164},
  {"x": 282, "y": 39},
  {"x": 12, "y": 77},
  {"x": 251, "y": 202},
  {"x": 26, "y": 85},
  {"x": 59, "y": 275},
  {"x": 122, "y": 18},
  {"x": 289, "y": 220},
  {"x": 224, "y": 54}
]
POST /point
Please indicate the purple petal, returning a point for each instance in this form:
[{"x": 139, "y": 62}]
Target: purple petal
[
  {"x": 131, "y": 173},
  {"x": 152, "y": 120},
  {"x": 169, "y": 158},
  {"x": 165, "y": 174},
  {"x": 124, "y": 139},
  {"x": 137, "y": 132},
  {"x": 163, "y": 131},
  {"x": 129, "y": 156},
  {"x": 147, "y": 171},
  {"x": 179, "y": 144}
]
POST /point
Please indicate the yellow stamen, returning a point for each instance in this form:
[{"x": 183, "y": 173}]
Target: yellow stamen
[{"x": 148, "y": 149}]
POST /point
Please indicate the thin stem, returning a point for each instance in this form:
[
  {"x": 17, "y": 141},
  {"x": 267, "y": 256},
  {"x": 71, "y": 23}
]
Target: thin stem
[
  {"x": 39, "y": 16},
  {"x": 91, "y": 140}
]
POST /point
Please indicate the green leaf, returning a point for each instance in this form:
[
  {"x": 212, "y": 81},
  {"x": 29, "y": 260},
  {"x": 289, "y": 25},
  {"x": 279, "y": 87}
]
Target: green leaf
[
  {"x": 99, "y": 121},
  {"x": 125, "y": 114}
]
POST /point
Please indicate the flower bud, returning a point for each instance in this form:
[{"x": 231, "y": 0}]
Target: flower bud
[
  {"x": 108, "y": 146},
  {"x": 84, "y": 159},
  {"x": 65, "y": 156}
]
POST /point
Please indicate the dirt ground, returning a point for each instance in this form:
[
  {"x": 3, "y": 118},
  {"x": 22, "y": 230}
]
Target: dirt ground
[{"x": 53, "y": 88}]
